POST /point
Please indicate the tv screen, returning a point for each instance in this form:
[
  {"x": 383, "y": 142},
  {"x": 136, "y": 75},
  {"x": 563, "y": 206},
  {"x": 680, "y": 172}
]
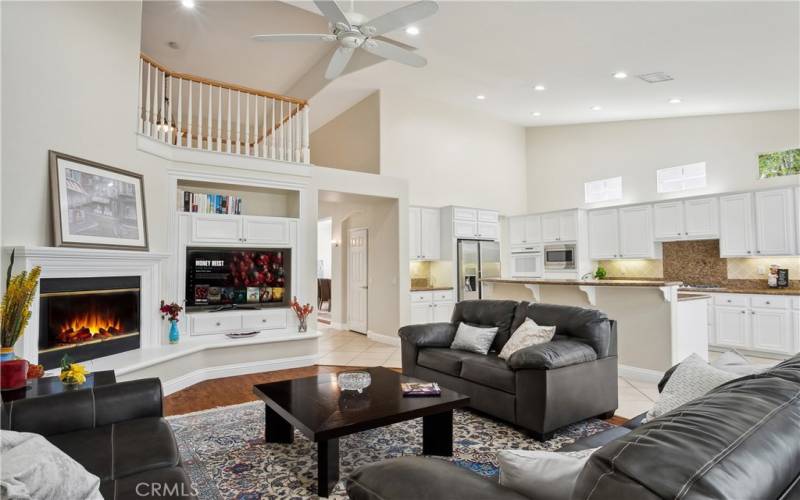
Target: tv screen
[{"x": 237, "y": 277}]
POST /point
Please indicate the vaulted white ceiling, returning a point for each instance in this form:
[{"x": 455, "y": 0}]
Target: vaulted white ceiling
[{"x": 724, "y": 56}]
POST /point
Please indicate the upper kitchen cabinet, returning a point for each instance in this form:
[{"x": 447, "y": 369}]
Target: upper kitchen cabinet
[
  {"x": 756, "y": 224},
  {"x": 604, "y": 234},
  {"x": 525, "y": 230},
  {"x": 560, "y": 226},
  {"x": 424, "y": 233},
  {"x": 694, "y": 219},
  {"x": 474, "y": 223},
  {"x": 624, "y": 233}
]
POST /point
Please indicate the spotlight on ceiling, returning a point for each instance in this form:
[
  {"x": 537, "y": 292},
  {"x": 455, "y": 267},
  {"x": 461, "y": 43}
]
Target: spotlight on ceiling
[
  {"x": 412, "y": 30},
  {"x": 596, "y": 108},
  {"x": 539, "y": 87},
  {"x": 536, "y": 113},
  {"x": 480, "y": 97},
  {"x": 675, "y": 100},
  {"x": 189, "y": 4},
  {"x": 620, "y": 75}
]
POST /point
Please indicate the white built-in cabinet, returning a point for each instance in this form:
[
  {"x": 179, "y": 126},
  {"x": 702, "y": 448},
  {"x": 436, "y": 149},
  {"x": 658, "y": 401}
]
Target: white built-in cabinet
[
  {"x": 432, "y": 306},
  {"x": 622, "y": 233},
  {"x": 474, "y": 223},
  {"x": 693, "y": 219},
  {"x": 424, "y": 233},
  {"x": 760, "y": 323},
  {"x": 239, "y": 229},
  {"x": 560, "y": 226},
  {"x": 760, "y": 223},
  {"x": 525, "y": 230}
]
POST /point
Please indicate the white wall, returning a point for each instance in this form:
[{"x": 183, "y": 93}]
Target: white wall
[
  {"x": 452, "y": 156},
  {"x": 351, "y": 140},
  {"x": 560, "y": 159},
  {"x": 324, "y": 236}
]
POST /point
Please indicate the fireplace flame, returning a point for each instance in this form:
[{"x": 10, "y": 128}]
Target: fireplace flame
[{"x": 89, "y": 325}]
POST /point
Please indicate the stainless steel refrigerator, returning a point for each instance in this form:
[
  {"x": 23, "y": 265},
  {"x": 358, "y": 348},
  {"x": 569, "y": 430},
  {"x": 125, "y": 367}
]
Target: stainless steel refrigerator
[{"x": 476, "y": 260}]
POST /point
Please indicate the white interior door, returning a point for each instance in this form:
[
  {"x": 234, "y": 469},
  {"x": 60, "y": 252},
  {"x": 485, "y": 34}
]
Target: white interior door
[{"x": 357, "y": 280}]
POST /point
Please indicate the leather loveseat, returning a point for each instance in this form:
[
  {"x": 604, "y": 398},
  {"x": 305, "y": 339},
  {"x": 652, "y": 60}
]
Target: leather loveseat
[
  {"x": 738, "y": 442},
  {"x": 540, "y": 388},
  {"x": 117, "y": 432}
]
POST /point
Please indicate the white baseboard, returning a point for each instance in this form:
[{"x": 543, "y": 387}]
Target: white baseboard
[
  {"x": 384, "y": 339},
  {"x": 213, "y": 372},
  {"x": 641, "y": 374}
]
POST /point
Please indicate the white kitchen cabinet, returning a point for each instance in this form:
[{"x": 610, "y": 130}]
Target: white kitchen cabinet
[
  {"x": 604, "y": 234},
  {"x": 560, "y": 226},
  {"x": 443, "y": 311},
  {"x": 668, "y": 221},
  {"x": 424, "y": 233},
  {"x": 771, "y": 330},
  {"x": 488, "y": 230},
  {"x": 465, "y": 229},
  {"x": 469, "y": 214},
  {"x": 525, "y": 229},
  {"x": 265, "y": 230},
  {"x": 774, "y": 222},
  {"x": 432, "y": 307},
  {"x": 731, "y": 326},
  {"x": 216, "y": 228},
  {"x": 636, "y": 232},
  {"x": 701, "y": 216},
  {"x": 421, "y": 313},
  {"x": 491, "y": 216},
  {"x": 736, "y": 225},
  {"x": 473, "y": 223},
  {"x": 240, "y": 229}
]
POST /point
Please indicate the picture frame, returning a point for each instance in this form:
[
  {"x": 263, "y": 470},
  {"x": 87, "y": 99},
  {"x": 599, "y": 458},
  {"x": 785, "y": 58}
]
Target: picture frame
[{"x": 96, "y": 206}]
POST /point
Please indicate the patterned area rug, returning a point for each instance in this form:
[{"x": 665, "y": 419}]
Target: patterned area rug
[{"x": 225, "y": 454}]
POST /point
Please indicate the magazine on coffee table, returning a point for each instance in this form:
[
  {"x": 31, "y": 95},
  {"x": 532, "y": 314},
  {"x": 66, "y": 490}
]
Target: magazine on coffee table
[{"x": 420, "y": 389}]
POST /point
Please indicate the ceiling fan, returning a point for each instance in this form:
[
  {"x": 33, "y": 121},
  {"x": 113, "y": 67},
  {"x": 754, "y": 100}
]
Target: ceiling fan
[{"x": 353, "y": 30}]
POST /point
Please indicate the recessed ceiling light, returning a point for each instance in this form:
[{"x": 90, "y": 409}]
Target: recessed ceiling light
[
  {"x": 596, "y": 108},
  {"x": 620, "y": 75},
  {"x": 189, "y": 4},
  {"x": 536, "y": 113},
  {"x": 412, "y": 30},
  {"x": 675, "y": 100},
  {"x": 539, "y": 87},
  {"x": 480, "y": 97}
]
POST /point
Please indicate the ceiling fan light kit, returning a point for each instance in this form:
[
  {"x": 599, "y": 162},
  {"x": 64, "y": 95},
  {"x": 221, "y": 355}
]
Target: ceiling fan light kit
[{"x": 354, "y": 30}]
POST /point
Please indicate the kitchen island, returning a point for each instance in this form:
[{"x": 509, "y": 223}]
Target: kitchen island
[{"x": 652, "y": 332}]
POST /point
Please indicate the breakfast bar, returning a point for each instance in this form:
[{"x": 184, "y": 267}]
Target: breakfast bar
[{"x": 651, "y": 315}]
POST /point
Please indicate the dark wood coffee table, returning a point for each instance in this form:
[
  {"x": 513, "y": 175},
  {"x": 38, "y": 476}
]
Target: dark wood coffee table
[{"x": 324, "y": 413}]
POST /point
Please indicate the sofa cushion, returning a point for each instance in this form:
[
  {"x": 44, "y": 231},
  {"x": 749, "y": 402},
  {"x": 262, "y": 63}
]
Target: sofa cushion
[
  {"x": 138, "y": 445},
  {"x": 474, "y": 338},
  {"x": 552, "y": 355},
  {"x": 490, "y": 371},
  {"x": 499, "y": 313},
  {"x": 590, "y": 326},
  {"x": 444, "y": 359}
]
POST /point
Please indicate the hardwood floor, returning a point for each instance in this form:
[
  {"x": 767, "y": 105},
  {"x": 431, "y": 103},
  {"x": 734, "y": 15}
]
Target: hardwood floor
[{"x": 234, "y": 390}]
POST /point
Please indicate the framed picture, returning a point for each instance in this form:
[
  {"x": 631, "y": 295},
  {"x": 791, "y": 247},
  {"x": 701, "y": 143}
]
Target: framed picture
[{"x": 96, "y": 206}]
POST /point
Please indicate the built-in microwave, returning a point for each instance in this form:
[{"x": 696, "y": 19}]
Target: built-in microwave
[
  {"x": 559, "y": 256},
  {"x": 527, "y": 262}
]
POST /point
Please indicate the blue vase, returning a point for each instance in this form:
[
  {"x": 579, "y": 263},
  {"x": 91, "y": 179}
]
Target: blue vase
[{"x": 174, "y": 332}]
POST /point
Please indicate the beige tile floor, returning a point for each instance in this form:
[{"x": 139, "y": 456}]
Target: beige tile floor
[{"x": 339, "y": 347}]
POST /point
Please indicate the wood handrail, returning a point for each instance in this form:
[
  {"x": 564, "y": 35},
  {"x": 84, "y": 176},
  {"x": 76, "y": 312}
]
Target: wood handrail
[{"x": 224, "y": 85}]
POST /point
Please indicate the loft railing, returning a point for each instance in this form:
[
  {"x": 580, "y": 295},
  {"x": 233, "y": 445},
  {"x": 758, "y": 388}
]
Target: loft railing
[{"x": 198, "y": 113}]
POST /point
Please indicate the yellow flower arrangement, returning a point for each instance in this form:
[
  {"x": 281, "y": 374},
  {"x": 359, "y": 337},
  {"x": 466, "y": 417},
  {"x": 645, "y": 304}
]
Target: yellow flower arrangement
[
  {"x": 15, "y": 310},
  {"x": 72, "y": 373}
]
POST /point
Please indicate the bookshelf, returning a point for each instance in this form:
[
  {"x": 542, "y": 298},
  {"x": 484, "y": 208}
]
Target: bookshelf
[{"x": 253, "y": 200}]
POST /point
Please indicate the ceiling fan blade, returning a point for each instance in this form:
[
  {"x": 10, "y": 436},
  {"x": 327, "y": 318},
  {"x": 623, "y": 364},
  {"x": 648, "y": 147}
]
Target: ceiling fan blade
[
  {"x": 393, "y": 52},
  {"x": 331, "y": 10},
  {"x": 339, "y": 61},
  {"x": 400, "y": 18},
  {"x": 300, "y": 37}
]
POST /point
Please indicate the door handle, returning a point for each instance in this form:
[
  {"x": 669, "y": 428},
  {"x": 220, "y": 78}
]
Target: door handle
[{"x": 364, "y": 287}]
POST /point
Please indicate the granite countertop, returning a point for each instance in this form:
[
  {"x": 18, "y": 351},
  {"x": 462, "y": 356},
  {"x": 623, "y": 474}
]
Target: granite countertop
[
  {"x": 615, "y": 282},
  {"x": 682, "y": 297},
  {"x": 430, "y": 288},
  {"x": 748, "y": 290}
]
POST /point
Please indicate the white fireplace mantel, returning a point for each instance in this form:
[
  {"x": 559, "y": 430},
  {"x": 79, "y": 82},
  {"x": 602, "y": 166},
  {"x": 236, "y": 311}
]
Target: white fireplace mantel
[{"x": 62, "y": 262}]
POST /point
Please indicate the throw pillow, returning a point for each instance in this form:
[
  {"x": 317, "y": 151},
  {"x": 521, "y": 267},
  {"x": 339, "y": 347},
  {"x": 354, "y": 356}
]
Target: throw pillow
[
  {"x": 733, "y": 361},
  {"x": 528, "y": 334},
  {"x": 473, "y": 338},
  {"x": 32, "y": 467},
  {"x": 692, "y": 378},
  {"x": 543, "y": 475}
]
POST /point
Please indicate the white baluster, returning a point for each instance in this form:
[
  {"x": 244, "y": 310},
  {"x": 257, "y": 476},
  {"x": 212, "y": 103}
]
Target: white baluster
[
  {"x": 264, "y": 133},
  {"x": 297, "y": 141},
  {"x": 140, "y": 128},
  {"x": 219, "y": 120},
  {"x": 179, "y": 132},
  {"x": 281, "y": 140},
  {"x": 200, "y": 117},
  {"x": 229, "y": 120},
  {"x": 306, "y": 148},
  {"x": 289, "y": 137},
  {"x": 272, "y": 132},
  {"x": 148, "y": 127},
  {"x": 160, "y": 92},
  {"x": 210, "y": 112},
  {"x": 238, "y": 122},
  {"x": 169, "y": 111},
  {"x": 189, "y": 143},
  {"x": 247, "y": 125}
]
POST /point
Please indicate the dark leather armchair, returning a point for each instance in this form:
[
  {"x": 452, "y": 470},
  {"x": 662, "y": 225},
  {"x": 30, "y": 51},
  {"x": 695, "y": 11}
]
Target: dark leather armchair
[
  {"x": 117, "y": 432},
  {"x": 542, "y": 387}
]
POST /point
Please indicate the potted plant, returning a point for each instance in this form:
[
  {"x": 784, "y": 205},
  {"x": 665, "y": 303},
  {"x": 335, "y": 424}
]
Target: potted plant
[
  {"x": 302, "y": 312},
  {"x": 172, "y": 312},
  {"x": 15, "y": 311}
]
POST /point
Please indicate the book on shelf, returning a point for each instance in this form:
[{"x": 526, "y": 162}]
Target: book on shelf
[
  {"x": 420, "y": 389},
  {"x": 205, "y": 203}
]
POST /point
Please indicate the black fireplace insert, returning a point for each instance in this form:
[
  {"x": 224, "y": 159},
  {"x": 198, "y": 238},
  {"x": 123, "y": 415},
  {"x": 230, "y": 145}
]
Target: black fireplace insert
[{"x": 88, "y": 318}]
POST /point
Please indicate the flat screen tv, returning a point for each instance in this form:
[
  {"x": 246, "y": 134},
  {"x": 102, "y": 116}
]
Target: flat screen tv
[{"x": 230, "y": 278}]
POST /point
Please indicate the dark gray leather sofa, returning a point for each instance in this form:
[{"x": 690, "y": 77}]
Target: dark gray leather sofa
[
  {"x": 738, "y": 442},
  {"x": 540, "y": 388},
  {"x": 117, "y": 432}
]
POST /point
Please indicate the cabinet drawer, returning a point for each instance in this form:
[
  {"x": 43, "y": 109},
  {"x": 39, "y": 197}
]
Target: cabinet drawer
[
  {"x": 469, "y": 214},
  {"x": 730, "y": 300},
  {"x": 443, "y": 296},
  {"x": 210, "y": 323},
  {"x": 264, "y": 320},
  {"x": 769, "y": 301},
  {"x": 418, "y": 297}
]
